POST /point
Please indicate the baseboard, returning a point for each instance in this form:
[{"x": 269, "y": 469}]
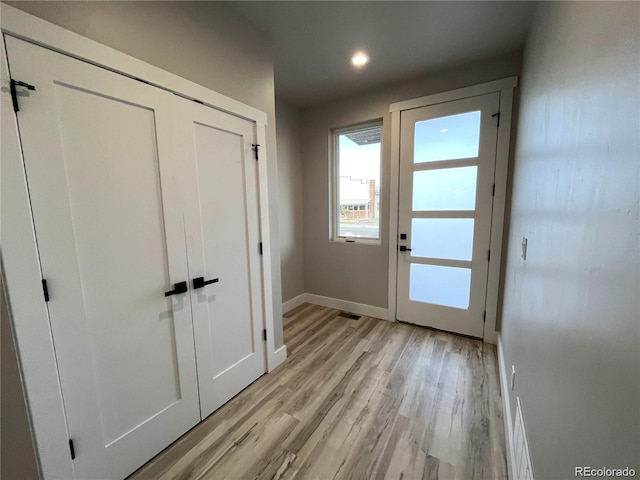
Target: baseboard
[
  {"x": 294, "y": 302},
  {"x": 506, "y": 411},
  {"x": 353, "y": 307}
]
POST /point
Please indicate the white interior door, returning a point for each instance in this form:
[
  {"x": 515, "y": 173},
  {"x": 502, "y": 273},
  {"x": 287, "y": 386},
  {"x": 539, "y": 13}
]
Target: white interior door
[
  {"x": 108, "y": 219},
  {"x": 447, "y": 164},
  {"x": 223, "y": 236}
]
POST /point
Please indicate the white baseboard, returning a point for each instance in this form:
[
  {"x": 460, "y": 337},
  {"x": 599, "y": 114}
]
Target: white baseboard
[
  {"x": 506, "y": 411},
  {"x": 359, "y": 308},
  {"x": 293, "y": 303}
]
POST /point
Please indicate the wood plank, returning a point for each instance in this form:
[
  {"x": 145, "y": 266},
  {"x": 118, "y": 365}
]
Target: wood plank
[{"x": 355, "y": 399}]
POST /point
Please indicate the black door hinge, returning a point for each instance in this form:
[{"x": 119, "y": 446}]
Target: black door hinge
[
  {"x": 14, "y": 92},
  {"x": 260, "y": 248},
  {"x": 72, "y": 450},
  {"x": 45, "y": 290},
  {"x": 255, "y": 148},
  {"x": 493, "y": 192},
  {"x": 264, "y": 335},
  {"x": 484, "y": 317},
  {"x": 488, "y": 255},
  {"x": 497, "y": 115}
]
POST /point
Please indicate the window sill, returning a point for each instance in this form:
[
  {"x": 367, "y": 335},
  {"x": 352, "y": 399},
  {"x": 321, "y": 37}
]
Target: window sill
[{"x": 357, "y": 241}]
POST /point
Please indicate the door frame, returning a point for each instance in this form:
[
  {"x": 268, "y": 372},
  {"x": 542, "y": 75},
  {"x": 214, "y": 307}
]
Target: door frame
[
  {"x": 20, "y": 262},
  {"x": 505, "y": 87}
]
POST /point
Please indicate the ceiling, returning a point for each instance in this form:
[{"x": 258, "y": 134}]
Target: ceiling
[{"x": 313, "y": 41}]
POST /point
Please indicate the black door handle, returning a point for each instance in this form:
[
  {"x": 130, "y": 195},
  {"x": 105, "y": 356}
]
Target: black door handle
[
  {"x": 404, "y": 249},
  {"x": 199, "y": 282},
  {"x": 180, "y": 287}
]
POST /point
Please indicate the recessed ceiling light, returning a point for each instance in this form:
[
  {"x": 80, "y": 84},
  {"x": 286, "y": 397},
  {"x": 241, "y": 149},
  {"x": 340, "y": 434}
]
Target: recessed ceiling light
[
  {"x": 444, "y": 130},
  {"x": 359, "y": 59}
]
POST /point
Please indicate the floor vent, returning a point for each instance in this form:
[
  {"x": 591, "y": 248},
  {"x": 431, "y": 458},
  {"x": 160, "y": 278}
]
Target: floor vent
[
  {"x": 349, "y": 315},
  {"x": 522, "y": 468}
]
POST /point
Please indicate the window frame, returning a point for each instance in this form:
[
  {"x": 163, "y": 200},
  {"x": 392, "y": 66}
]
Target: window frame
[{"x": 334, "y": 168}]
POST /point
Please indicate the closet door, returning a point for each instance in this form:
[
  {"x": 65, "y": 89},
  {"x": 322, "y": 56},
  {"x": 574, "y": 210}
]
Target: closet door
[
  {"x": 224, "y": 259},
  {"x": 98, "y": 152}
]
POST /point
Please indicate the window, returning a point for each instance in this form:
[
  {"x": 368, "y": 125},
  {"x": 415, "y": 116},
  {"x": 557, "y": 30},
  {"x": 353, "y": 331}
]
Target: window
[{"x": 356, "y": 183}]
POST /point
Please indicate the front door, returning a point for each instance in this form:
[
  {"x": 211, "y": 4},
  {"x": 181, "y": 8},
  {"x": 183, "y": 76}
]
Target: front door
[{"x": 447, "y": 164}]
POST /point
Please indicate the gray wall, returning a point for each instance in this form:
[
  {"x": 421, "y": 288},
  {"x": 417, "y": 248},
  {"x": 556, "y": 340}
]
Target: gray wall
[
  {"x": 359, "y": 272},
  {"x": 17, "y": 457},
  {"x": 290, "y": 199},
  {"x": 571, "y": 322},
  {"x": 205, "y": 42}
]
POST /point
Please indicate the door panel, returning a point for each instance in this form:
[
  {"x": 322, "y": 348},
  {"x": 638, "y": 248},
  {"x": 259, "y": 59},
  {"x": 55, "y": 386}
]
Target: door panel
[
  {"x": 446, "y": 189},
  {"x": 447, "y": 163},
  {"x": 125, "y": 351},
  {"x": 223, "y": 236},
  {"x": 442, "y": 238}
]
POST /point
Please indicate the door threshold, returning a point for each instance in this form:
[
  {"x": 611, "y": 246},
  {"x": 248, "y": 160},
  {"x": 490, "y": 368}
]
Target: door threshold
[{"x": 440, "y": 330}]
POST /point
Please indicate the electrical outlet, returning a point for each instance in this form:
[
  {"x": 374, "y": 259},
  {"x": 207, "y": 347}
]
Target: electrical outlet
[
  {"x": 513, "y": 376},
  {"x": 523, "y": 254}
]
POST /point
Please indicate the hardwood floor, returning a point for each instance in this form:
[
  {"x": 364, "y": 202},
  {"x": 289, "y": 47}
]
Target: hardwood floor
[{"x": 356, "y": 399}]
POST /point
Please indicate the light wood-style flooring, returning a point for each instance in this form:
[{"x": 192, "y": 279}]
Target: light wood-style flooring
[{"x": 356, "y": 399}]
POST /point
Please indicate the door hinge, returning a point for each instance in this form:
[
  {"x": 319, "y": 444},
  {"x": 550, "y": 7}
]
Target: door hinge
[
  {"x": 484, "y": 317},
  {"x": 45, "y": 290},
  {"x": 497, "y": 115},
  {"x": 255, "y": 148},
  {"x": 488, "y": 255},
  {"x": 493, "y": 192},
  {"x": 264, "y": 335},
  {"x": 260, "y": 248},
  {"x": 72, "y": 449},
  {"x": 14, "y": 92}
]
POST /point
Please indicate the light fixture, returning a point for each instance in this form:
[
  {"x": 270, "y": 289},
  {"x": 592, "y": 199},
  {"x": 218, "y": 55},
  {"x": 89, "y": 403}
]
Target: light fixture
[
  {"x": 359, "y": 59},
  {"x": 444, "y": 130}
]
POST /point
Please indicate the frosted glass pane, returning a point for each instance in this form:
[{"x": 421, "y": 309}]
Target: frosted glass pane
[
  {"x": 447, "y": 286},
  {"x": 445, "y": 189},
  {"x": 447, "y": 138},
  {"x": 450, "y": 238}
]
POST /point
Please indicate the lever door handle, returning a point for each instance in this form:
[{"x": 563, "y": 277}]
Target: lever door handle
[
  {"x": 200, "y": 282},
  {"x": 180, "y": 287},
  {"x": 404, "y": 249}
]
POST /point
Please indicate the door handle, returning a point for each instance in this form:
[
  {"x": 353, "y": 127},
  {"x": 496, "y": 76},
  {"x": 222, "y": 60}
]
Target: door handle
[
  {"x": 180, "y": 287},
  {"x": 404, "y": 249},
  {"x": 199, "y": 282}
]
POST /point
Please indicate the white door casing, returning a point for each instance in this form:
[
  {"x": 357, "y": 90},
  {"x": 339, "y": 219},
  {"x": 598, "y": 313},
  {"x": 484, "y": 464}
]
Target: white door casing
[
  {"x": 222, "y": 221},
  {"x": 124, "y": 351},
  {"x": 421, "y": 272}
]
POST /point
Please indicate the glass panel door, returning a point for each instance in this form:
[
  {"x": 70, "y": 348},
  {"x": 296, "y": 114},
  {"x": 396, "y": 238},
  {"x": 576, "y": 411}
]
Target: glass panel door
[{"x": 447, "y": 157}]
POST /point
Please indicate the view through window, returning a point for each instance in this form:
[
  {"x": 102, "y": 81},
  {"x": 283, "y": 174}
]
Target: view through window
[{"x": 357, "y": 199}]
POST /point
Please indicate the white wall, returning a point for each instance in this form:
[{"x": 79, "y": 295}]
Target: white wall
[
  {"x": 571, "y": 313},
  {"x": 358, "y": 272},
  {"x": 289, "y": 121}
]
